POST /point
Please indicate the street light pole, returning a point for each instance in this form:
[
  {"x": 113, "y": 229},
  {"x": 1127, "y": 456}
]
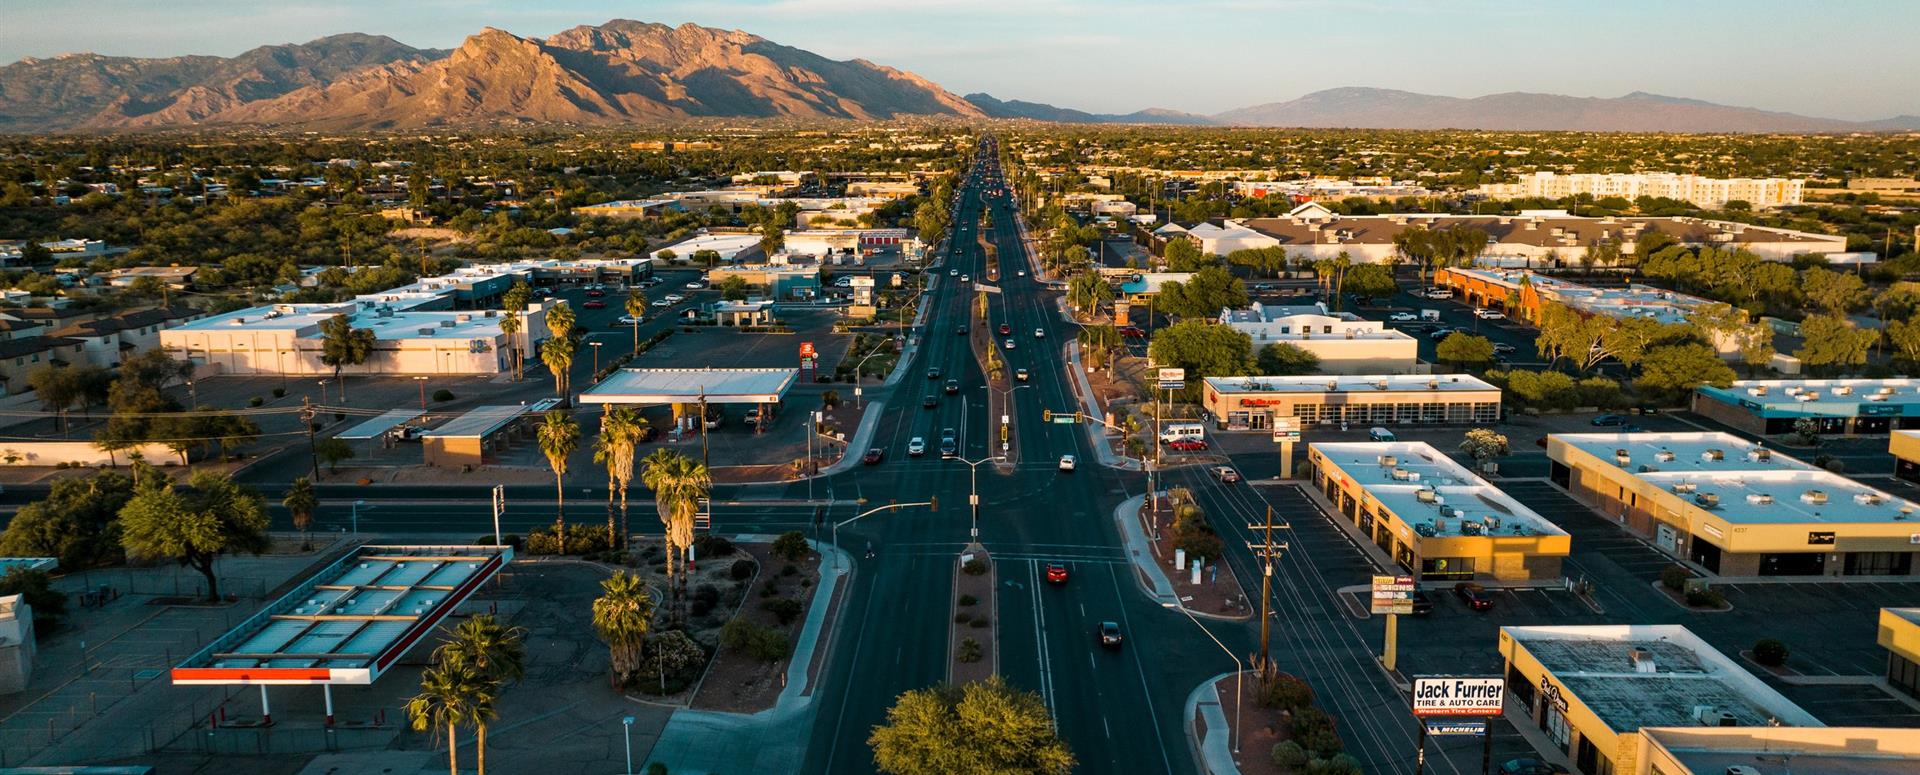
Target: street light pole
[
  {"x": 595, "y": 344},
  {"x": 973, "y": 498},
  {"x": 930, "y": 503},
  {"x": 626, "y": 723},
  {"x": 1239, "y": 671},
  {"x": 423, "y": 392}
]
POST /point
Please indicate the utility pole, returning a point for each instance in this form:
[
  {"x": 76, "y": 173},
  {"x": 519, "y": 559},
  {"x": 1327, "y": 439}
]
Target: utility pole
[
  {"x": 306, "y": 418},
  {"x": 1267, "y": 551}
]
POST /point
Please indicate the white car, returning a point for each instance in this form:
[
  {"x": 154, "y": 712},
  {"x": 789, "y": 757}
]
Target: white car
[
  {"x": 1039, "y": 333},
  {"x": 1488, "y": 314},
  {"x": 696, "y": 285},
  {"x": 629, "y": 320},
  {"x": 1226, "y": 474},
  {"x": 966, "y": 278},
  {"x": 1066, "y": 462},
  {"x": 843, "y": 282},
  {"x": 662, "y": 303},
  {"x": 1022, "y": 273},
  {"x": 674, "y": 298},
  {"x": 1010, "y": 344},
  {"x": 916, "y": 447},
  {"x": 953, "y": 273},
  {"x": 1403, "y": 316}
]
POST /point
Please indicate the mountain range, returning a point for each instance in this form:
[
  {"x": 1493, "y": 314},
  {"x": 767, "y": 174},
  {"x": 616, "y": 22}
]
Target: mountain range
[{"x": 628, "y": 73}]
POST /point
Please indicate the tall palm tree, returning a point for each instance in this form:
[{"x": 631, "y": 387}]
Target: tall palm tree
[
  {"x": 497, "y": 654},
  {"x": 620, "y": 429},
  {"x": 515, "y": 302},
  {"x": 450, "y": 696},
  {"x": 623, "y": 616},
  {"x": 678, "y": 483},
  {"x": 560, "y": 320},
  {"x": 636, "y": 309},
  {"x": 510, "y": 326},
  {"x": 559, "y": 436},
  {"x": 301, "y": 502}
]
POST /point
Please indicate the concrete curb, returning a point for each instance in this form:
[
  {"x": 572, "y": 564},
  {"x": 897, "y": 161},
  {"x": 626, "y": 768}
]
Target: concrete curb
[
  {"x": 1212, "y": 753},
  {"x": 1096, "y": 433},
  {"x": 1146, "y": 571},
  {"x": 869, "y": 422}
]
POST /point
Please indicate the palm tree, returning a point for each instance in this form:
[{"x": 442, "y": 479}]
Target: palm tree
[
  {"x": 622, "y": 616},
  {"x": 620, "y": 430},
  {"x": 510, "y": 326},
  {"x": 515, "y": 302},
  {"x": 559, "y": 436},
  {"x": 557, "y": 353},
  {"x": 451, "y": 695},
  {"x": 636, "y": 309},
  {"x": 497, "y": 655},
  {"x": 300, "y": 502},
  {"x": 678, "y": 483}
]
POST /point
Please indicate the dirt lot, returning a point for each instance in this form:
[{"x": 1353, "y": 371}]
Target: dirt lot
[
  {"x": 738, "y": 682},
  {"x": 1217, "y": 594}
]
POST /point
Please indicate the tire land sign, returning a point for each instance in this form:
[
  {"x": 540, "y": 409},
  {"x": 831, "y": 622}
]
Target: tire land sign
[
  {"x": 1392, "y": 595},
  {"x": 1458, "y": 696}
]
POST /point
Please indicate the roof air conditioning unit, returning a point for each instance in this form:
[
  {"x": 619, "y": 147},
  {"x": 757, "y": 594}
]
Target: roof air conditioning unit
[
  {"x": 1664, "y": 456},
  {"x": 1714, "y": 455},
  {"x": 1620, "y": 456},
  {"x": 1389, "y": 461},
  {"x": 1707, "y": 500},
  {"x": 1685, "y": 487},
  {"x": 1759, "y": 498},
  {"x": 1642, "y": 660},
  {"x": 1815, "y": 497},
  {"x": 1761, "y": 455},
  {"x": 1424, "y": 495},
  {"x": 1440, "y": 525},
  {"x": 1868, "y": 498}
]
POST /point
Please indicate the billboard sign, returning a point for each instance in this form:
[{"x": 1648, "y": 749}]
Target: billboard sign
[
  {"x": 1286, "y": 429},
  {"x": 1173, "y": 379},
  {"x": 807, "y": 352},
  {"x": 1438, "y": 728},
  {"x": 1393, "y": 594},
  {"x": 1457, "y": 696}
]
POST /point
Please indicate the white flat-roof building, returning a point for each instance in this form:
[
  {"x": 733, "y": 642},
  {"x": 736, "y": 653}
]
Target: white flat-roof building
[
  {"x": 1703, "y": 191},
  {"x": 1845, "y": 406},
  {"x": 286, "y": 339},
  {"x": 1344, "y": 342},
  {"x": 1436, "y": 518},
  {"x": 1252, "y": 402},
  {"x": 1736, "y": 508}
]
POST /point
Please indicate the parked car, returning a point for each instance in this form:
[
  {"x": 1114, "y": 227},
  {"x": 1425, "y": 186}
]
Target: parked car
[
  {"x": 953, "y": 387},
  {"x": 1474, "y": 595},
  {"x": 1403, "y": 316},
  {"x": 715, "y": 419},
  {"x": 1133, "y": 332},
  {"x": 595, "y": 293},
  {"x": 1608, "y": 419},
  {"x": 1422, "y": 603},
  {"x": 1056, "y": 573},
  {"x": 1503, "y": 347},
  {"x": 594, "y": 304},
  {"x": 1068, "y": 462},
  {"x": 1109, "y": 635},
  {"x": 1187, "y": 445},
  {"x": 1533, "y": 767},
  {"x": 1440, "y": 333},
  {"x": 1226, "y": 474},
  {"x": 1488, "y": 314},
  {"x": 752, "y": 417},
  {"x": 1377, "y": 433},
  {"x": 1020, "y": 374},
  {"x": 916, "y": 447}
]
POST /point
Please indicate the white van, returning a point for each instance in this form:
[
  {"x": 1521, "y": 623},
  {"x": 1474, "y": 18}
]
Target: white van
[
  {"x": 1377, "y": 433},
  {"x": 1182, "y": 431},
  {"x": 1430, "y": 315}
]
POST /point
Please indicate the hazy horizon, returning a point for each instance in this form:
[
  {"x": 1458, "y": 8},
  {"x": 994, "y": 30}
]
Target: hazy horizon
[{"x": 1118, "y": 56}]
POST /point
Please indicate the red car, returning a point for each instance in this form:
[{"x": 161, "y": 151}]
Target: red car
[
  {"x": 1056, "y": 573},
  {"x": 595, "y": 304},
  {"x": 1474, "y": 595},
  {"x": 1132, "y": 332},
  {"x": 1005, "y": 329},
  {"x": 596, "y": 292},
  {"x": 873, "y": 457},
  {"x": 1187, "y": 445}
]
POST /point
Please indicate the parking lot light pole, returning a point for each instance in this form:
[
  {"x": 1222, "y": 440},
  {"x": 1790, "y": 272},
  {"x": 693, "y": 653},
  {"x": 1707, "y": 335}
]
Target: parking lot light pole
[
  {"x": 595, "y": 344},
  {"x": 423, "y": 392},
  {"x": 626, "y": 724},
  {"x": 1241, "y": 668},
  {"x": 973, "y": 498}
]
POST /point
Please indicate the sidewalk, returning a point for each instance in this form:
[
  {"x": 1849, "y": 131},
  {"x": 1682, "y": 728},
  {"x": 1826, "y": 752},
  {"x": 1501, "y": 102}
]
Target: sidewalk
[
  {"x": 1213, "y": 752},
  {"x": 699, "y": 742},
  {"x": 1146, "y": 570},
  {"x": 1096, "y": 433}
]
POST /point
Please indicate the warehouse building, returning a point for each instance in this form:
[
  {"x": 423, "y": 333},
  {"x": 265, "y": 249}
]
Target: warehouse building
[
  {"x": 1251, "y": 403},
  {"x": 1735, "y": 508},
  {"x": 1592, "y": 689},
  {"x": 1842, "y": 406},
  {"x": 1344, "y": 342},
  {"x": 1437, "y": 519},
  {"x": 1771, "y": 750}
]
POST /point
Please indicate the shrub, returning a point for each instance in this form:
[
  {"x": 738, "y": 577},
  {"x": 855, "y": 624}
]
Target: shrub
[
  {"x": 1284, "y": 692},
  {"x": 789, "y": 570},
  {"x": 1706, "y": 597},
  {"x": 769, "y": 589},
  {"x": 962, "y": 618},
  {"x": 785, "y": 609},
  {"x": 969, "y": 651},
  {"x": 974, "y": 567},
  {"x": 968, "y": 600},
  {"x": 742, "y": 569},
  {"x": 656, "y": 768},
  {"x": 279, "y": 392},
  {"x": 256, "y": 401},
  {"x": 1675, "y": 577},
  {"x": 1313, "y": 728},
  {"x": 443, "y": 394},
  {"x": 1289, "y": 756},
  {"x": 763, "y": 643},
  {"x": 711, "y": 546},
  {"x": 1337, "y": 764},
  {"x": 791, "y": 546},
  {"x": 1770, "y": 652}
]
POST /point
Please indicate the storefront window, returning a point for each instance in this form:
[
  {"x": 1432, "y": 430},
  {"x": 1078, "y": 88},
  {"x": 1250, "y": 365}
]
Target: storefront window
[{"x": 1446, "y": 568}]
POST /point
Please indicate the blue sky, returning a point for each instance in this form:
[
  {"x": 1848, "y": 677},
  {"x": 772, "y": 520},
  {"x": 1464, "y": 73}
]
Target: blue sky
[{"x": 1854, "y": 59}]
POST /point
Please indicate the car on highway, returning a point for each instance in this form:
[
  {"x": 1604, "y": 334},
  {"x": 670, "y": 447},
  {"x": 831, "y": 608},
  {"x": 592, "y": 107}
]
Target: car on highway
[
  {"x": 933, "y": 373},
  {"x": 1056, "y": 573},
  {"x": 1020, "y": 375},
  {"x": 1005, "y": 329},
  {"x": 1474, "y": 595},
  {"x": 675, "y": 298},
  {"x": 953, "y": 273},
  {"x": 873, "y": 457},
  {"x": 1187, "y": 445},
  {"x": 960, "y": 330},
  {"x": 930, "y": 401},
  {"x": 1039, "y": 333},
  {"x": 1440, "y": 333},
  {"x": 1488, "y": 314},
  {"x": 1021, "y": 273},
  {"x": 966, "y": 278},
  {"x": 1109, "y": 635},
  {"x": 1068, "y": 462},
  {"x": 1538, "y": 767},
  {"x": 1607, "y": 420},
  {"x": 1010, "y": 344},
  {"x": 1403, "y": 316},
  {"x": 696, "y": 285},
  {"x": 595, "y": 293},
  {"x": 953, "y": 387},
  {"x": 1503, "y": 347},
  {"x": 949, "y": 443},
  {"x": 594, "y": 304},
  {"x": 1226, "y": 474},
  {"x": 662, "y": 303},
  {"x": 916, "y": 447},
  {"x": 628, "y": 320}
]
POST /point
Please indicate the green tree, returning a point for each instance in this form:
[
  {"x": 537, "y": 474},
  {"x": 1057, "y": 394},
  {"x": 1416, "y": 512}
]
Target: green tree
[
  {"x": 1204, "y": 350},
  {"x": 671, "y": 652},
  {"x": 452, "y": 695},
  {"x": 678, "y": 483},
  {"x": 1285, "y": 359},
  {"x": 61, "y": 388},
  {"x": 1904, "y": 336},
  {"x": 622, "y": 617},
  {"x": 558, "y": 437},
  {"x": 620, "y": 429},
  {"x": 1184, "y": 256},
  {"x": 1203, "y": 295},
  {"x": 559, "y": 357},
  {"x": 77, "y": 522},
  {"x": 1672, "y": 371},
  {"x": 342, "y": 345},
  {"x": 194, "y": 526},
  {"x": 1483, "y": 445},
  {"x": 1832, "y": 292},
  {"x": 515, "y": 302},
  {"x": 1462, "y": 349},
  {"x": 733, "y": 288},
  {"x": 986, "y": 727},
  {"x": 772, "y": 237},
  {"x": 1371, "y": 281},
  {"x": 331, "y": 450},
  {"x": 300, "y": 503},
  {"x": 1833, "y": 343},
  {"x": 1089, "y": 291},
  {"x": 636, "y": 307}
]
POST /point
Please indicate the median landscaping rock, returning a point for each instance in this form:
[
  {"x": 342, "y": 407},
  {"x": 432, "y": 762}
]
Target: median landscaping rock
[{"x": 972, "y": 649}]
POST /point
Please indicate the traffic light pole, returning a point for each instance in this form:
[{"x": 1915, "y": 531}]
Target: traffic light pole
[{"x": 932, "y": 504}]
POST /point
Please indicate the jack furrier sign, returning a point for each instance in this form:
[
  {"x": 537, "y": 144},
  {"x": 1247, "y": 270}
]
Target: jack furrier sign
[{"x": 1457, "y": 696}]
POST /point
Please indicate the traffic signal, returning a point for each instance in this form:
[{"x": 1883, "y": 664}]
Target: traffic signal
[
  {"x": 1046, "y": 415},
  {"x": 933, "y": 503}
]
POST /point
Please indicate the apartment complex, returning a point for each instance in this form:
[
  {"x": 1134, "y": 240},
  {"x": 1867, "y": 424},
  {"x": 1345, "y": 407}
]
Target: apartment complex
[
  {"x": 1845, "y": 406},
  {"x": 1313, "y": 232},
  {"x": 1436, "y": 519},
  {"x": 1705, "y": 192},
  {"x": 1344, "y": 342},
  {"x": 1252, "y": 403},
  {"x": 1736, "y": 508},
  {"x": 1594, "y": 689}
]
